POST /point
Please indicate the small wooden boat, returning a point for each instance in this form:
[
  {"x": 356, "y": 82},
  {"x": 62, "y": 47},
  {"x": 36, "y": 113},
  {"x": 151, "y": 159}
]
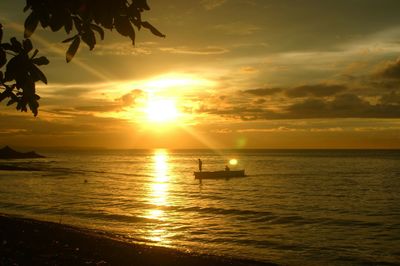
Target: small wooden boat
[{"x": 219, "y": 174}]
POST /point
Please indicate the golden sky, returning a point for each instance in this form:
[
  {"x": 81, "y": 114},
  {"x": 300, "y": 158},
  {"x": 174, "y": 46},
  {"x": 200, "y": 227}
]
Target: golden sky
[{"x": 230, "y": 74}]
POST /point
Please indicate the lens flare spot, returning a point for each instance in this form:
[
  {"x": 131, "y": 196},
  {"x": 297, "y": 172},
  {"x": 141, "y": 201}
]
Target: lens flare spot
[{"x": 233, "y": 161}]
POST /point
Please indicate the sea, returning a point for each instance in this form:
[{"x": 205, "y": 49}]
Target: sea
[{"x": 294, "y": 207}]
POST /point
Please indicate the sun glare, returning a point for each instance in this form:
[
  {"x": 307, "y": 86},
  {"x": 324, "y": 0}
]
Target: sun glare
[
  {"x": 177, "y": 81},
  {"x": 161, "y": 111}
]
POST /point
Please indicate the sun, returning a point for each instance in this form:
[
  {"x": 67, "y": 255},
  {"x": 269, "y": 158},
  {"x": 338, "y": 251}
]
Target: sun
[{"x": 161, "y": 111}]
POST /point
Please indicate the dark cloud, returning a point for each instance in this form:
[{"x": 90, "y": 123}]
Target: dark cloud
[
  {"x": 11, "y": 121},
  {"x": 233, "y": 111},
  {"x": 383, "y": 84},
  {"x": 129, "y": 99},
  {"x": 195, "y": 51},
  {"x": 263, "y": 91},
  {"x": 392, "y": 98},
  {"x": 319, "y": 90},
  {"x": 106, "y": 107},
  {"x": 260, "y": 101},
  {"x": 391, "y": 70},
  {"x": 76, "y": 124},
  {"x": 383, "y": 81},
  {"x": 368, "y": 96},
  {"x": 63, "y": 112},
  {"x": 342, "y": 106},
  {"x": 211, "y": 4},
  {"x": 70, "y": 92},
  {"x": 118, "y": 105}
]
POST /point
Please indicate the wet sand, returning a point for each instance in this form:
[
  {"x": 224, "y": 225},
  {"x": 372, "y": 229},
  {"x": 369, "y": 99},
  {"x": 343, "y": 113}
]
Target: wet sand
[{"x": 32, "y": 242}]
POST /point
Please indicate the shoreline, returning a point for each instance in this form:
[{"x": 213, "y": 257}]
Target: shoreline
[{"x": 25, "y": 241}]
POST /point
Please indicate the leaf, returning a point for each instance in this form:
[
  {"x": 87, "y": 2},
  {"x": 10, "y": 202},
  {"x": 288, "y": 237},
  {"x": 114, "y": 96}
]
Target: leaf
[
  {"x": 123, "y": 26},
  {"x": 133, "y": 38},
  {"x": 3, "y": 95},
  {"x": 73, "y": 48},
  {"x": 18, "y": 106},
  {"x": 44, "y": 21},
  {"x": 56, "y": 21},
  {"x": 12, "y": 69},
  {"x": 3, "y": 58},
  {"x": 6, "y": 46},
  {"x": 10, "y": 102},
  {"x": 68, "y": 24},
  {"x": 70, "y": 39},
  {"x": 6, "y": 93},
  {"x": 13, "y": 96},
  {"x": 16, "y": 46},
  {"x": 28, "y": 87},
  {"x": 33, "y": 105},
  {"x": 35, "y": 53},
  {"x": 153, "y": 30},
  {"x": 41, "y": 61},
  {"x": 134, "y": 12},
  {"x": 27, "y": 45},
  {"x": 78, "y": 24},
  {"x": 107, "y": 21},
  {"x": 1, "y": 32},
  {"x": 99, "y": 30},
  {"x": 21, "y": 106},
  {"x": 142, "y": 4},
  {"x": 37, "y": 74},
  {"x": 31, "y": 24},
  {"x": 89, "y": 38},
  {"x": 102, "y": 14},
  {"x": 137, "y": 23}
]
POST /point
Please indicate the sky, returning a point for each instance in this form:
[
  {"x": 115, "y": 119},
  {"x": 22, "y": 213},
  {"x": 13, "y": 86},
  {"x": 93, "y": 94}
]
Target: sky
[{"x": 229, "y": 74}]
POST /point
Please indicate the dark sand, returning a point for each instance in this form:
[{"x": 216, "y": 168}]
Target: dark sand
[{"x": 31, "y": 242}]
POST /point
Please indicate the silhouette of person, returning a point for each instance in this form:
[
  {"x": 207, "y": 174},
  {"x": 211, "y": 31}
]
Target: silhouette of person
[
  {"x": 227, "y": 168},
  {"x": 200, "y": 165}
]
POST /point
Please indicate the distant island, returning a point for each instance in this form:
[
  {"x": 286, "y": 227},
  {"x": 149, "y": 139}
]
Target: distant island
[{"x": 9, "y": 153}]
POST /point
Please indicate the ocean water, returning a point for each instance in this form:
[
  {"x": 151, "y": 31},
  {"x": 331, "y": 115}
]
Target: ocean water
[{"x": 308, "y": 207}]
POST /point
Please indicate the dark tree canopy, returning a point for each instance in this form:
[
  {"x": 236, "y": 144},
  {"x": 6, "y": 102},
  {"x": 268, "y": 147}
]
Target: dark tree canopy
[{"x": 85, "y": 20}]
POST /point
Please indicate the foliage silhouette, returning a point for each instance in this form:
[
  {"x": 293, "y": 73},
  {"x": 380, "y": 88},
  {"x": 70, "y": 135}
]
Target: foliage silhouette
[{"x": 83, "y": 18}]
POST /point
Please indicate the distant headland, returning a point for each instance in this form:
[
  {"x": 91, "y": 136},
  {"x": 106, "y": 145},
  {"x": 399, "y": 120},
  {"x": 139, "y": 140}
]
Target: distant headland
[{"x": 9, "y": 153}]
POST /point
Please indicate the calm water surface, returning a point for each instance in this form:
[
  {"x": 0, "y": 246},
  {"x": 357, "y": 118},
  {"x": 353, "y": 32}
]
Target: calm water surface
[{"x": 295, "y": 207}]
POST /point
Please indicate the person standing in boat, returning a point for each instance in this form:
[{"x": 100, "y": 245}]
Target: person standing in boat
[
  {"x": 200, "y": 165},
  {"x": 227, "y": 168}
]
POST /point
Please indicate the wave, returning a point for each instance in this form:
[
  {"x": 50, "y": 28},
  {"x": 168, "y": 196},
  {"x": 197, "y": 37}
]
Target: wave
[
  {"x": 213, "y": 210},
  {"x": 102, "y": 216}
]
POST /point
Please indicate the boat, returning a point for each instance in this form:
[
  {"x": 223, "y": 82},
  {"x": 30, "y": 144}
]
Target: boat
[{"x": 219, "y": 174}]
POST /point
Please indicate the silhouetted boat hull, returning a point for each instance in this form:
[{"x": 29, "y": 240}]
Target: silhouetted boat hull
[{"x": 219, "y": 174}]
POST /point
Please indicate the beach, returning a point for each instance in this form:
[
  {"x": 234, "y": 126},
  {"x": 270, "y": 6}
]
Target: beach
[{"x": 32, "y": 242}]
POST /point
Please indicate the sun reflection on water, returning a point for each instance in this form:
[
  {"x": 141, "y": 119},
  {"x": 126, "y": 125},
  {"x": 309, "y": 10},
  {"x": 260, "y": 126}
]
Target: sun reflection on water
[
  {"x": 161, "y": 165},
  {"x": 158, "y": 197}
]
